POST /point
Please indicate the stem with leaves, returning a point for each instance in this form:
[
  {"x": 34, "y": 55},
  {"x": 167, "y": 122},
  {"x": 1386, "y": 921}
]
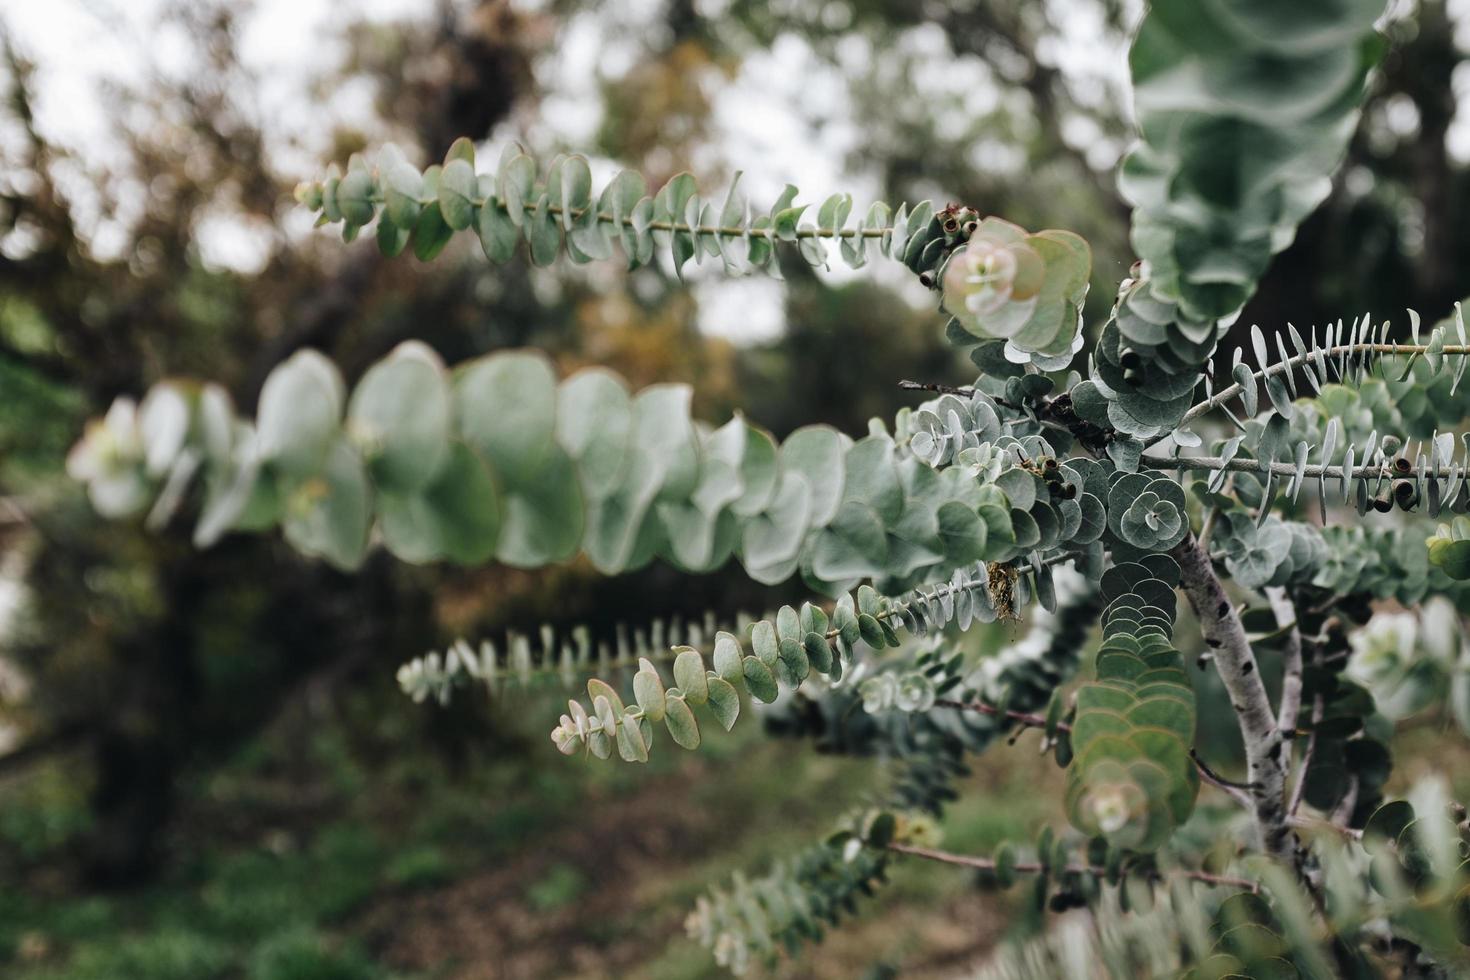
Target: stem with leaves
[{"x": 1321, "y": 357}]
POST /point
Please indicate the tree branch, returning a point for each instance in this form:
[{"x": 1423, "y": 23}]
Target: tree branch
[
  {"x": 1225, "y": 636},
  {"x": 1322, "y": 358},
  {"x": 1019, "y": 717},
  {"x": 1239, "y": 464},
  {"x": 1035, "y": 867},
  {"x": 1291, "y": 670}
]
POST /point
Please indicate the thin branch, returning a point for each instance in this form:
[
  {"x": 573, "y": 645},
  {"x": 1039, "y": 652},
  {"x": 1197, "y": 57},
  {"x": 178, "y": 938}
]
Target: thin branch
[
  {"x": 1300, "y": 787},
  {"x": 1291, "y": 668},
  {"x": 551, "y": 665},
  {"x": 1239, "y": 464},
  {"x": 1341, "y": 350},
  {"x": 1208, "y": 527},
  {"x": 677, "y": 227},
  {"x": 1019, "y": 717},
  {"x": 1237, "y": 791},
  {"x": 1036, "y": 867},
  {"x": 963, "y": 391}
]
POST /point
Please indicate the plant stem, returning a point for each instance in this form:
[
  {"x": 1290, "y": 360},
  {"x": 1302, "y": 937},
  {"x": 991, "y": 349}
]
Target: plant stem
[
  {"x": 1035, "y": 867},
  {"x": 1291, "y": 670},
  {"x": 1240, "y": 464},
  {"x": 962, "y": 391},
  {"x": 1341, "y": 350},
  {"x": 1225, "y": 636},
  {"x": 1019, "y": 717},
  {"x": 681, "y": 227}
]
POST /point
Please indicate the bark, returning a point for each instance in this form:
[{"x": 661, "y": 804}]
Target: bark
[
  {"x": 1291, "y": 670},
  {"x": 1225, "y": 636}
]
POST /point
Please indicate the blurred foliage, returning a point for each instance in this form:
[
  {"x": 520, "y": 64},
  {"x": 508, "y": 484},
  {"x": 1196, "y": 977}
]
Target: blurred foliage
[{"x": 171, "y": 699}]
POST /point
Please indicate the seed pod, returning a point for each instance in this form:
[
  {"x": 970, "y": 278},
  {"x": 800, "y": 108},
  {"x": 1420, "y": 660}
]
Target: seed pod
[
  {"x": 1382, "y": 504},
  {"x": 1405, "y": 494},
  {"x": 1402, "y": 465},
  {"x": 1130, "y": 359},
  {"x": 970, "y": 226},
  {"x": 926, "y": 279}
]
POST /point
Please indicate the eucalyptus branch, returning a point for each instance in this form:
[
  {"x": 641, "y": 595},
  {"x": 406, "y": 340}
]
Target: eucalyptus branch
[
  {"x": 1236, "y": 791},
  {"x": 1037, "y": 867},
  {"x": 1291, "y": 671},
  {"x": 1225, "y": 636},
  {"x": 1237, "y": 464},
  {"x": 960, "y": 391},
  {"x": 575, "y": 214},
  {"x": 1300, "y": 787},
  {"x": 1338, "y": 351},
  {"x": 1024, "y": 718}
]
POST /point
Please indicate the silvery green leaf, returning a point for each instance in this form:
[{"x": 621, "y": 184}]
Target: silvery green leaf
[{"x": 680, "y": 722}]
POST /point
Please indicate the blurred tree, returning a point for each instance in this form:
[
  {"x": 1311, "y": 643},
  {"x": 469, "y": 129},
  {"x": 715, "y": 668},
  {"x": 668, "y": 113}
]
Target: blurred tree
[
  {"x": 146, "y": 654},
  {"x": 155, "y": 660}
]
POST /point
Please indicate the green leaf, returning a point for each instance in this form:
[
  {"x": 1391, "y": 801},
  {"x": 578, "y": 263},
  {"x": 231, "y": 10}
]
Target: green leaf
[
  {"x": 815, "y": 452},
  {"x": 763, "y": 641},
  {"x": 514, "y": 184},
  {"x": 648, "y": 690},
  {"x": 354, "y": 198},
  {"x": 680, "y": 722},
  {"x": 392, "y": 237},
  {"x": 463, "y": 148},
  {"x": 759, "y": 680},
  {"x": 403, "y": 186},
  {"x": 962, "y": 534},
  {"x": 631, "y": 746},
  {"x": 498, "y": 233},
  {"x": 594, "y": 423},
  {"x": 881, "y": 830},
  {"x": 457, "y": 516},
  {"x": 458, "y": 188},
  {"x": 1450, "y": 557},
  {"x": 871, "y": 632},
  {"x": 598, "y": 688},
  {"x": 1389, "y": 820},
  {"x": 689, "y": 675},
  {"x": 505, "y": 404},
  {"x": 543, "y": 517},
  {"x": 542, "y": 233},
  {"x": 327, "y": 515},
  {"x": 794, "y": 663},
  {"x": 724, "y": 702},
  {"x": 400, "y": 416},
  {"x": 727, "y": 656},
  {"x": 818, "y": 651},
  {"x": 300, "y": 413},
  {"x": 430, "y": 233},
  {"x": 576, "y": 189}
]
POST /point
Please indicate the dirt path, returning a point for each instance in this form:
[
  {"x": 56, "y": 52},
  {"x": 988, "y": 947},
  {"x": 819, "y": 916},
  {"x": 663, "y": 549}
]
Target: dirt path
[{"x": 634, "y": 858}]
